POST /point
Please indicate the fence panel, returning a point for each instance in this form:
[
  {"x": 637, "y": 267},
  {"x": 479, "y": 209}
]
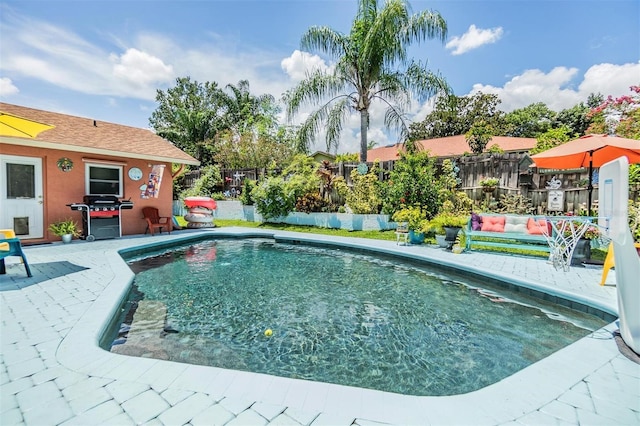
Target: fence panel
[{"x": 512, "y": 169}]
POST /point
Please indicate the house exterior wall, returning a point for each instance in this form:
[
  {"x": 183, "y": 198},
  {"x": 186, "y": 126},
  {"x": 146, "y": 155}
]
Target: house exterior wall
[{"x": 62, "y": 188}]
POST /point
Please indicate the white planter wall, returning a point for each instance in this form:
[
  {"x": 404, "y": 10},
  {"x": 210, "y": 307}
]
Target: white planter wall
[{"x": 352, "y": 222}]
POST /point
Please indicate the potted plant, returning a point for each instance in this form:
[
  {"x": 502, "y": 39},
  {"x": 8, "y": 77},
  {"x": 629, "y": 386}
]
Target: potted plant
[
  {"x": 451, "y": 223},
  {"x": 435, "y": 226},
  {"x": 66, "y": 229},
  {"x": 415, "y": 220},
  {"x": 489, "y": 184}
]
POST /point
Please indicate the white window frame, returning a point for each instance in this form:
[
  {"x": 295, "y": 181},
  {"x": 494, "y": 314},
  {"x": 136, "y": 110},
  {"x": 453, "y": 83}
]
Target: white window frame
[{"x": 87, "y": 174}]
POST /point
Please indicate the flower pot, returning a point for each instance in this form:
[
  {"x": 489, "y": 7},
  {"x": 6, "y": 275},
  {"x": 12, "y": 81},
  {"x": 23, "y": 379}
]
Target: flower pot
[
  {"x": 440, "y": 239},
  {"x": 488, "y": 188},
  {"x": 66, "y": 238},
  {"x": 416, "y": 237},
  {"x": 451, "y": 232}
]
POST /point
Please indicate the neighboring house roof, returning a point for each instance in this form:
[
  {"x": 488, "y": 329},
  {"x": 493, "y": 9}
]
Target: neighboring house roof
[
  {"x": 323, "y": 155},
  {"x": 451, "y": 146},
  {"x": 79, "y": 134}
]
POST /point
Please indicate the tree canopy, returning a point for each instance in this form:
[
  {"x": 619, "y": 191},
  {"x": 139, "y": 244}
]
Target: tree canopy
[
  {"x": 371, "y": 64},
  {"x": 455, "y": 115},
  {"x": 230, "y": 126}
]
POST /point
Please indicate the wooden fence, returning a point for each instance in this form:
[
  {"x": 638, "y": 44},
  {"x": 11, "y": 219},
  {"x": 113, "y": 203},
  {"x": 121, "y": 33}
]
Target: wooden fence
[{"x": 512, "y": 169}]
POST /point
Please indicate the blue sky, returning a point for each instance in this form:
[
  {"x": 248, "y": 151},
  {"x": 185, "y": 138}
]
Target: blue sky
[{"x": 105, "y": 59}]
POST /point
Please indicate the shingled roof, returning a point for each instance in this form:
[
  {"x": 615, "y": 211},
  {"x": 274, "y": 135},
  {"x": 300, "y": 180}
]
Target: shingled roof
[
  {"x": 451, "y": 146},
  {"x": 79, "y": 134}
]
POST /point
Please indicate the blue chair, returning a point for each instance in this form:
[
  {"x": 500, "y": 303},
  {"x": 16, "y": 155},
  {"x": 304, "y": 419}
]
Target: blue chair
[{"x": 10, "y": 246}]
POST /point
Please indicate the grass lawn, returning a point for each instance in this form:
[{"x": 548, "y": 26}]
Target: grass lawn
[{"x": 374, "y": 235}]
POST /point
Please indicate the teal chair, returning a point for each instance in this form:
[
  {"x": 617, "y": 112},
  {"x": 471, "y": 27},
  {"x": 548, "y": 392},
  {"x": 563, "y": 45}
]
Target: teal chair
[{"x": 10, "y": 246}]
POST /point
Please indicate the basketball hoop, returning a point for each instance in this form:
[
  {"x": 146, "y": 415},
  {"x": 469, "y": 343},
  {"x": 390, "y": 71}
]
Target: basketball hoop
[{"x": 562, "y": 234}]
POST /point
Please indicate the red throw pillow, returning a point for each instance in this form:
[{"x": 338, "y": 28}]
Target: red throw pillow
[
  {"x": 493, "y": 223},
  {"x": 535, "y": 227}
]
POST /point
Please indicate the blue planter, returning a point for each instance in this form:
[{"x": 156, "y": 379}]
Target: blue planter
[{"x": 416, "y": 237}]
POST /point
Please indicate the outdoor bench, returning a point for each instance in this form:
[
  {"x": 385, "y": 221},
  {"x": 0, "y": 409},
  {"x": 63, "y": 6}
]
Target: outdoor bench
[{"x": 487, "y": 231}]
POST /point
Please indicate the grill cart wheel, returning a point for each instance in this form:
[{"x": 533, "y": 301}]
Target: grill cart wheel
[{"x": 90, "y": 238}]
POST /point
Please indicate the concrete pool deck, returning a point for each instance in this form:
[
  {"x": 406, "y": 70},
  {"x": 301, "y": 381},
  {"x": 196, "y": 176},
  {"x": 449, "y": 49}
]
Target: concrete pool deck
[{"x": 52, "y": 370}]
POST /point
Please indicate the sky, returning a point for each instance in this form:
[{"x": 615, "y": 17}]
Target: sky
[{"x": 106, "y": 60}]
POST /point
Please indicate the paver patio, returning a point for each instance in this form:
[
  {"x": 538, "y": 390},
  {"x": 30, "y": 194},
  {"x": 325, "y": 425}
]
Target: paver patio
[{"x": 52, "y": 370}]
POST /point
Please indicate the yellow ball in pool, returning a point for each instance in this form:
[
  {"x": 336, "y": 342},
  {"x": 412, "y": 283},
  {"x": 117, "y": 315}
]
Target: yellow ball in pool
[{"x": 268, "y": 332}]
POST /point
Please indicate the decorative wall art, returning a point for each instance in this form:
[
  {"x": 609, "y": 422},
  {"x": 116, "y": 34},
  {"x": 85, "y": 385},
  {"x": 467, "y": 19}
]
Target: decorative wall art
[
  {"x": 65, "y": 164},
  {"x": 152, "y": 188}
]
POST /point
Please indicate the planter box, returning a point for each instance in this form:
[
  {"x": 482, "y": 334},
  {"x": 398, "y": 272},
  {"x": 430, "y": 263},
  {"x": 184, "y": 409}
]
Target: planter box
[
  {"x": 352, "y": 222},
  {"x": 229, "y": 210}
]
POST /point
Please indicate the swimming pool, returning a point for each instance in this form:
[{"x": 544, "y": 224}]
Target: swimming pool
[{"x": 343, "y": 317}]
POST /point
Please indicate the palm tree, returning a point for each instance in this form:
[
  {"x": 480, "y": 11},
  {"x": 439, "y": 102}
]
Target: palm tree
[
  {"x": 246, "y": 112},
  {"x": 366, "y": 70}
]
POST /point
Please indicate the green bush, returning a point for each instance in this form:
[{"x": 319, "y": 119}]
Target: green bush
[
  {"x": 246, "y": 197},
  {"x": 515, "y": 204},
  {"x": 273, "y": 199},
  {"x": 364, "y": 198},
  {"x": 206, "y": 185},
  {"x": 311, "y": 203},
  {"x": 411, "y": 182},
  {"x": 413, "y": 216}
]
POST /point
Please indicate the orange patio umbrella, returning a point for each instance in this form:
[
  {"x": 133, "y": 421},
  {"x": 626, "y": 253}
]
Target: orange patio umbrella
[
  {"x": 588, "y": 151},
  {"x": 12, "y": 125}
]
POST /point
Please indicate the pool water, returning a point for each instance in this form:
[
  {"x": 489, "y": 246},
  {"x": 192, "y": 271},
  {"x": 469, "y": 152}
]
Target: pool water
[{"x": 337, "y": 316}]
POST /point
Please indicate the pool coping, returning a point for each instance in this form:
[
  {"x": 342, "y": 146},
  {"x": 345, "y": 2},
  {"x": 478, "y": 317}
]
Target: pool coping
[{"x": 519, "y": 394}]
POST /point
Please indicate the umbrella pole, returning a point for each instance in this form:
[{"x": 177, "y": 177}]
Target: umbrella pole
[{"x": 590, "y": 187}]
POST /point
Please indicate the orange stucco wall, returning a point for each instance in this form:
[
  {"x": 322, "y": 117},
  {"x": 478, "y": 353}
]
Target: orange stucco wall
[{"x": 62, "y": 188}]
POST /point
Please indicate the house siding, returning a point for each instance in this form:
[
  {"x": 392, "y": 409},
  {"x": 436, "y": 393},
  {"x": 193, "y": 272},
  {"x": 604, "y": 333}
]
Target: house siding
[{"x": 62, "y": 188}]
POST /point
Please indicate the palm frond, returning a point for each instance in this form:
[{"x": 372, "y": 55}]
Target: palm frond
[
  {"x": 394, "y": 119},
  {"x": 337, "y": 115},
  {"x": 392, "y": 86},
  {"x": 325, "y": 40},
  {"x": 317, "y": 87},
  {"x": 425, "y": 83},
  {"x": 426, "y": 25}
]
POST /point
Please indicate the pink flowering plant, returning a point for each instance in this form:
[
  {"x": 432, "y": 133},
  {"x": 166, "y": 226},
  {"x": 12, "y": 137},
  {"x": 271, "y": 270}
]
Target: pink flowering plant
[{"x": 591, "y": 233}]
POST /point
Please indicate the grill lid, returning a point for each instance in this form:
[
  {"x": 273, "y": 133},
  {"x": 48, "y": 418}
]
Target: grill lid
[{"x": 101, "y": 199}]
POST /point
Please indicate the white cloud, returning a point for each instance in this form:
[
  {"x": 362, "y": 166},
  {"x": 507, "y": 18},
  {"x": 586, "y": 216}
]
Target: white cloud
[
  {"x": 610, "y": 79},
  {"x": 7, "y": 88},
  {"x": 299, "y": 63},
  {"x": 474, "y": 38},
  {"x": 556, "y": 90},
  {"x": 141, "y": 68}
]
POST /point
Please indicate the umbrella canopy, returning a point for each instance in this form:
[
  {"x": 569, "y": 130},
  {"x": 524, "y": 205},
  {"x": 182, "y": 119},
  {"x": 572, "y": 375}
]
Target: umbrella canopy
[
  {"x": 12, "y": 125},
  {"x": 588, "y": 151}
]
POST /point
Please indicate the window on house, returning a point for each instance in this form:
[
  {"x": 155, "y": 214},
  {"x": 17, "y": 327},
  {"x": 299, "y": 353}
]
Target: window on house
[{"x": 102, "y": 179}]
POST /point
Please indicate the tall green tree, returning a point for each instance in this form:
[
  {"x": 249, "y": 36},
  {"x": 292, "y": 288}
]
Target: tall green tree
[
  {"x": 530, "y": 121},
  {"x": 190, "y": 114},
  {"x": 479, "y": 136},
  {"x": 371, "y": 64},
  {"x": 455, "y": 115},
  {"x": 576, "y": 119},
  {"x": 551, "y": 138},
  {"x": 249, "y": 113}
]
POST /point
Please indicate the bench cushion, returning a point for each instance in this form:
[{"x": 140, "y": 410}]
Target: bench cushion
[
  {"x": 493, "y": 223},
  {"x": 535, "y": 227},
  {"x": 476, "y": 222},
  {"x": 516, "y": 224}
]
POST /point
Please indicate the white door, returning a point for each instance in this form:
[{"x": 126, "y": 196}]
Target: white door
[{"x": 21, "y": 200}]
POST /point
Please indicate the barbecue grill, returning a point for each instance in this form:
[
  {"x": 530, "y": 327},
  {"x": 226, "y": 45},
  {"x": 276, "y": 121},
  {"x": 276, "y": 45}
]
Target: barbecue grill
[{"x": 101, "y": 216}]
